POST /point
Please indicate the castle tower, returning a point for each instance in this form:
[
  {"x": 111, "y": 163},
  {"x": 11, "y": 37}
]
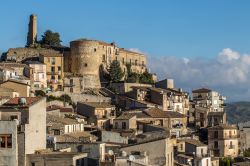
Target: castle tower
[
  {"x": 85, "y": 60},
  {"x": 32, "y": 33}
]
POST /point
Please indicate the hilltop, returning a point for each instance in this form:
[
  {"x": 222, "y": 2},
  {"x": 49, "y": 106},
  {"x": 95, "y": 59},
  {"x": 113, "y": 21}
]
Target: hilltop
[{"x": 238, "y": 112}]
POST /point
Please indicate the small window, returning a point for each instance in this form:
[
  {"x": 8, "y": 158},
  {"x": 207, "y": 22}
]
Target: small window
[
  {"x": 85, "y": 64},
  {"x": 13, "y": 117},
  {"x": 59, "y": 68},
  {"x": 33, "y": 164},
  {"x": 53, "y": 61},
  {"x": 5, "y": 141},
  {"x": 53, "y": 77},
  {"x": 103, "y": 58},
  {"x": 56, "y": 132},
  {"x": 71, "y": 90},
  {"x": 94, "y": 49},
  {"x": 124, "y": 125},
  {"x": 59, "y": 77}
]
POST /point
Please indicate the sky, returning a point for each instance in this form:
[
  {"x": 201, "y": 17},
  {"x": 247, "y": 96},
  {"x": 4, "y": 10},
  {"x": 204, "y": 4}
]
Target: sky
[{"x": 197, "y": 43}]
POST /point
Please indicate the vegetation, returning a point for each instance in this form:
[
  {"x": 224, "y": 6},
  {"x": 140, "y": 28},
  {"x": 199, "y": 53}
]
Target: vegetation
[
  {"x": 246, "y": 153},
  {"x": 227, "y": 161},
  {"x": 64, "y": 98},
  {"x": 238, "y": 112},
  {"x": 50, "y": 38},
  {"x": 133, "y": 77},
  {"x": 40, "y": 93},
  {"x": 115, "y": 72}
]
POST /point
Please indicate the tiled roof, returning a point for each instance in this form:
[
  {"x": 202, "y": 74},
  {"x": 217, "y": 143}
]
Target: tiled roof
[
  {"x": 130, "y": 114},
  {"x": 194, "y": 142},
  {"x": 15, "y": 101},
  {"x": 53, "y": 107},
  {"x": 158, "y": 113},
  {"x": 51, "y": 119},
  {"x": 74, "y": 137},
  {"x": 66, "y": 109},
  {"x": 201, "y": 90},
  {"x": 14, "y": 81},
  {"x": 98, "y": 104}
]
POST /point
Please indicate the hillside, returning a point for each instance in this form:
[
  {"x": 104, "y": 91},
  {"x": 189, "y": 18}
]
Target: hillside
[{"x": 238, "y": 112}]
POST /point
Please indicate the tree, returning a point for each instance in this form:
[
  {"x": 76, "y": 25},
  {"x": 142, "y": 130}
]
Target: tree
[
  {"x": 50, "y": 38},
  {"x": 146, "y": 78},
  {"x": 115, "y": 71},
  {"x": 40, "y": 93}
]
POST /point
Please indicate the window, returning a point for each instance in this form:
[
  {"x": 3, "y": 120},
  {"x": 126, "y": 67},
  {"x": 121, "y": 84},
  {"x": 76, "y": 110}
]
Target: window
[
  {"x": 59, "y": 77},
  {"x": 215, "y": 134},
  {"x": 135, "y": 62},
  {"x": 85, "y": 64},
  {"x": 5, "y": 141},
  {"x": 56, "y": 132},
  {"x": 215, "y": 144},
  {"x": 124, "y": 125},
  {"x": 48, "y": 59},
  {"x": 231, "y": 145},
  {"x": 71, "y": 82},
  {"x": 71, "y": 90},
  {"x": 181, "y": 147},
  {"x": 202, "y": 151},
  {"x": 52, "y": 69},
  {"x": 103, "y": 58},
  {"x": 33, "y": 164},
  {"x": 12, "y": 117},
  {"x": 59, "y": 68},
  {"x": 94, "y": 49},
  {"x": 142, "y": 63},
  {"x": 53, "y": 77},
  {"x": 53, "y": 61},
  {"x": 123, "y": 60}
]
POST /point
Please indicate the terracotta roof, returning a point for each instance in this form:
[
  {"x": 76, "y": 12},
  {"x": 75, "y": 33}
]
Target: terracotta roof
[
  {"x": 223, "y": 127},
  {"x": 64, "y": 109},
  {"x": 10, "y": 64},
  {"x": 52, "y": 120},
  {"x": 53, "y": 107},
  {"x": 194, "y": 142},
  {"x": 15, "y": 101},
  {"x": 158, "y": 113},
  {"x": 129, "y": 114},
  {"x": 74, "y": 137},
  {"x": 98, "y": 104},
  {"x": 201, "y": 90}
]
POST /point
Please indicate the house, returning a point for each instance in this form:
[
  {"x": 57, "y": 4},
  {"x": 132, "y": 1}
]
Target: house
[
  {"x": 174, "y": 121},
  {"x": 57, "y": 158},
  {"x": 8, "y": 143},
  {"x": 6, "y": 73},
  {"x": 73, "y": 84},
  {"x": 159, "y": 151},
  {"x": 36, "y": 72},
  {"x": 99, "y": 113},
  {"x": 22, "y": 88},
  {"x": 223, "y": 140},
  {"x": 30, "y": 135},
  {"x": 54, "y": 69}
]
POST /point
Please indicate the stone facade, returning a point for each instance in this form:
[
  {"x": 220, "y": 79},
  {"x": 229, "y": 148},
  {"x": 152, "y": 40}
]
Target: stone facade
[
  {"x": 55, "y": 71},
  {"x": 19, "y": 87},
  {"x": 32, "y": 33},
  {"x": 88, "y": 57},
  {"x": 9, "y": 149},
  {"x": 223, "y": 141}
]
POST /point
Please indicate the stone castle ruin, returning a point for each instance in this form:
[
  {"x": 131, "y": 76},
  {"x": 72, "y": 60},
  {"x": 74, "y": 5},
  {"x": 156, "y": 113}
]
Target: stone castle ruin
[{"x": 84, "y": 57}]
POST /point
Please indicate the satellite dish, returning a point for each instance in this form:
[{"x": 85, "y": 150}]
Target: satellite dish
[
  {"x": 131, "y": 158},
  {"x": 110, "y": 152}
]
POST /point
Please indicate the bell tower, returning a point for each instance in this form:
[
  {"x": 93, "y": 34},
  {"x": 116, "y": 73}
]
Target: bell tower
[{"x": 32, "y": 33}]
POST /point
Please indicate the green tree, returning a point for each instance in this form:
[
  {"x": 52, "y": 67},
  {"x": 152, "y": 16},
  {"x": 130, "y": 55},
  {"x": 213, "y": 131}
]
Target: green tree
[
  {"x": 246, "y": 153},
  {"x": 50, "y": 38},
  {"x": 146, "y": 78},
  {"x": 40, "y": 93},
  {"x": 115, "y": 71}
]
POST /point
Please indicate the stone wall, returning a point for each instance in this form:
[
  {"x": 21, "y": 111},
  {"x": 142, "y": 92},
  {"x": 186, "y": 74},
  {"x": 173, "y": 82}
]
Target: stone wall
[{"x": 22, "y": 53}]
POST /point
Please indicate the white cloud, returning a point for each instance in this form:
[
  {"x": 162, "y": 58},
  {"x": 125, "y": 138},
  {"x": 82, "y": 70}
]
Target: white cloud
[
  {"x": 227, "y": 73},
  {"x": 136, "y": 50}
]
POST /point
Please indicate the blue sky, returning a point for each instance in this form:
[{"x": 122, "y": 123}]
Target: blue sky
[
  {"x": 190, "y": 28},
  {"x": 198, "y": 43}
]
